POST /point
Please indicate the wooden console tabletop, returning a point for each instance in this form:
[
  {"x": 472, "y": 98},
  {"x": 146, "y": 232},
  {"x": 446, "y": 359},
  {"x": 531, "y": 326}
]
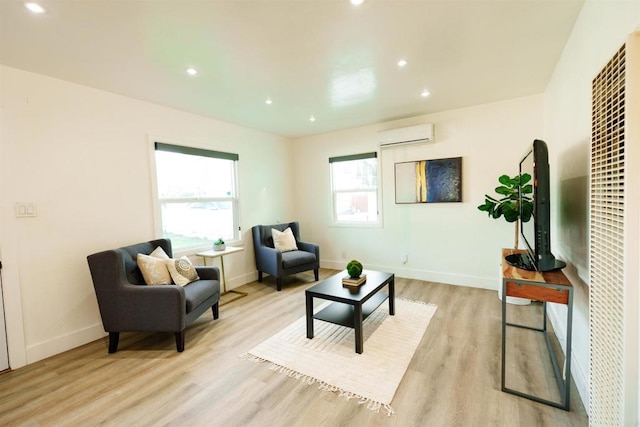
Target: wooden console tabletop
[{"x": 520, "y": 288}]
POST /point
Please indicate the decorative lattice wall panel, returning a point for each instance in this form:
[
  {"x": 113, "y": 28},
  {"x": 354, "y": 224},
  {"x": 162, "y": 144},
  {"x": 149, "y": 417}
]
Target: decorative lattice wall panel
[
  {"x": 606, "y": 315},
  {"x": 613, "y": 240}
]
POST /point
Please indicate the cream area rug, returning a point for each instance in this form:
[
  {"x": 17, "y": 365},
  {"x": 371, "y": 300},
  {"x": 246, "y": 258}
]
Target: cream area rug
[{"x": 330, "y": 360}]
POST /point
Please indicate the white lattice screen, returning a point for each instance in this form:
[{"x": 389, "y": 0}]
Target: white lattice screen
[{"x": 606, "y": 298}]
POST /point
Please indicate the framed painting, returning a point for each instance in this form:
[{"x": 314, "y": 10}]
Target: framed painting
[{"x": 429, "y": 181}]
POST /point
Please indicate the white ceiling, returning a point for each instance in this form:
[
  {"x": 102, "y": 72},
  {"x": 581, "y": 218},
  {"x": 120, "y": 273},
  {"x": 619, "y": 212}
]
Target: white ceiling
[{"x": 325, "y": 58}]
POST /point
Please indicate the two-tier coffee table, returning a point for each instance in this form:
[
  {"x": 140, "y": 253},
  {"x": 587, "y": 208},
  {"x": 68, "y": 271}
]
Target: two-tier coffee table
[{"x": 351, "y": 305}]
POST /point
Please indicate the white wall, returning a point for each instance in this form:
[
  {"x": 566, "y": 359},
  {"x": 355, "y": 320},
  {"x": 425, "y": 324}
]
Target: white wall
[
  {"x": 600, "y": 30},
  {"x": 83, "y": 157},
  {"x": 445, "y": 242}
]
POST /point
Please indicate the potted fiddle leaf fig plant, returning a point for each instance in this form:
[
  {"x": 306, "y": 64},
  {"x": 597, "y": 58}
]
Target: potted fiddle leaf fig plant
[{"x": 507, "y": 204}]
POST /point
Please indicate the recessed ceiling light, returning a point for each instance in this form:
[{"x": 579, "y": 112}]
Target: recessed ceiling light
[
  {"x": 425, "y": 93},
  {"x": 34, "y": 7},
  {"x": 192, "y": 71},
  {"x": 402, "y": 63},
  {"x": 268, "y": 101},
  {"x": 357, "y": 2},
  {"x": 312, "y": 119}
]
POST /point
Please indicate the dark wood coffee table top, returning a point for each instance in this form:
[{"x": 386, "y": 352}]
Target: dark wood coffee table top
[{"x": 333, "y": 289}]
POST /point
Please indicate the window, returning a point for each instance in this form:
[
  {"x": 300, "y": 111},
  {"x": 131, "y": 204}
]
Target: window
[
  {"x": 197, "y": 195},
  {"x": 354, "y": 187}
]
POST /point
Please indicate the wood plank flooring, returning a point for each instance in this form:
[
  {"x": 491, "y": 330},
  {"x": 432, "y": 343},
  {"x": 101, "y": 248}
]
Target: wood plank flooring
[{"x": 453, "y": 379}]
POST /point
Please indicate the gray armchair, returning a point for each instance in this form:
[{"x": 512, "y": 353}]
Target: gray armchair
[
  {"x": 127, "y": 304},
  {"x": 279, "y": 264}
]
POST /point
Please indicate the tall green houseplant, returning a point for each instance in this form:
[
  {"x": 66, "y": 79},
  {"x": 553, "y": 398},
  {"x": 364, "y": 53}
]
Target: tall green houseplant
[{"x": 507, "y": 204}]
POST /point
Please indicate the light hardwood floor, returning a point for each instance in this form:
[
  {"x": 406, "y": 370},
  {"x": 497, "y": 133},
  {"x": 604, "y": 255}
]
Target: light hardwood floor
[{"x": 453, "y": 379}]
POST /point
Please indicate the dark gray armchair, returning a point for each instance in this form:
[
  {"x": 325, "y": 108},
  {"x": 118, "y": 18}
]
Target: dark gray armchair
[
  {"x": 128, "y": 304},
  {"x": 279, "y": 264}
]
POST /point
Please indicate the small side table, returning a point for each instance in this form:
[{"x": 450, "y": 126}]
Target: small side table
[
  {"x": 551, "y": 286},
  {"x": 220, "y": 254}
]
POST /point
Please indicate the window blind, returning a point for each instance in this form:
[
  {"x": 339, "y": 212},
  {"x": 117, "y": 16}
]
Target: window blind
[
  {"x": 195, "y": 151},
  {"x": 362, "y": 156}
]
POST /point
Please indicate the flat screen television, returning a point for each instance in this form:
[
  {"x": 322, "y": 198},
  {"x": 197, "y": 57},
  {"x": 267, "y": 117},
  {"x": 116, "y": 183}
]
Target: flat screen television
[{"x": 536, "y": 233}]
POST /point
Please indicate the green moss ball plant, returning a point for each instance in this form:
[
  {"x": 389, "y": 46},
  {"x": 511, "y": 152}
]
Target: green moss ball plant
[{"x": 354, "y": 268}]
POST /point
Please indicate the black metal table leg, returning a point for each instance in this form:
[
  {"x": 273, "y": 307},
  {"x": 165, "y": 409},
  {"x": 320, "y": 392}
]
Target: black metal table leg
[
  {"x": 392, "y": 297},
  {"x": 357, "y": 320},
  {"x": 309, "y": 299}
]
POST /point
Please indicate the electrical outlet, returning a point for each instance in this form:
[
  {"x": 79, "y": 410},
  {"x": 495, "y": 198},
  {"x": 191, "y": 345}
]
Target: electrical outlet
[
  {"x": 344, "y": 254},
  {"x": 403, "y": 258},
  {"x": 26, "y": 210}
]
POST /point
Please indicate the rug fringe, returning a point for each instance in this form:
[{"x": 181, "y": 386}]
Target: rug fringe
[
  {"x": 371, "y": 405},
  {"x": 418, "y": 302}
]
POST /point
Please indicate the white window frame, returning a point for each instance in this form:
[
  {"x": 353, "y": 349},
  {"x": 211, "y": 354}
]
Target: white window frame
[
  {"x": 377, "y": 190},
  {"x": 234, "y": 198}
]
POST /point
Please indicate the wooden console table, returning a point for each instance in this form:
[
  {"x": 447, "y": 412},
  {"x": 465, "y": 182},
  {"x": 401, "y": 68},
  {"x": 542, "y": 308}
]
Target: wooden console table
[
  {"x": 215, "y": 254},
  {"x": 552, "y": 286}
]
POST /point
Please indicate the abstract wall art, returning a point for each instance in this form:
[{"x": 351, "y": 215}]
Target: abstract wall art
[{"x": 429, "y": 181}]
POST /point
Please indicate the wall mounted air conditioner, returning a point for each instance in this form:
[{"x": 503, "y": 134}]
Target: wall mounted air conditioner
[{"x": 402, "y": 136}]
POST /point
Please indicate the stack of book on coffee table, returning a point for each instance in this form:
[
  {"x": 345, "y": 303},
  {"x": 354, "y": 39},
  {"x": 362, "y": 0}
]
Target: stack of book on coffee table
[{"x": 354, "y": 282}]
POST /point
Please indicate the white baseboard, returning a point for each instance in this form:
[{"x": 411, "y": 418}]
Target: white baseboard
[
  {"x": 426, "y": 275},
  {"x": 234, "y": 282},
  {"x": 63, "y": 343}
]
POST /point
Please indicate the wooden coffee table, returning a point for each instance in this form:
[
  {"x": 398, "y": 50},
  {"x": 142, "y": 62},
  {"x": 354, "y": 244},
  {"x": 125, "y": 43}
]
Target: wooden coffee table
[{"x": 351, "y": 305}]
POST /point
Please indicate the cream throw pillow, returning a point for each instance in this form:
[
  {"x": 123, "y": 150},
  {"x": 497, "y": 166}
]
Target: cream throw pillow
[
  {"x": 154, "y": 267},
  {"x": 284, "y": 240},
  {"x": 159, "y": 253},
  {"x": 182, "y": 271}
]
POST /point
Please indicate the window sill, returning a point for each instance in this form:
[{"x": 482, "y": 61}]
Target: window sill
[{"x": 356, "y": 225}]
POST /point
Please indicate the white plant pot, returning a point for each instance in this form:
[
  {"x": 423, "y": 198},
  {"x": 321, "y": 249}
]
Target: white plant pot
[{"x": 218, "y": 248}]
